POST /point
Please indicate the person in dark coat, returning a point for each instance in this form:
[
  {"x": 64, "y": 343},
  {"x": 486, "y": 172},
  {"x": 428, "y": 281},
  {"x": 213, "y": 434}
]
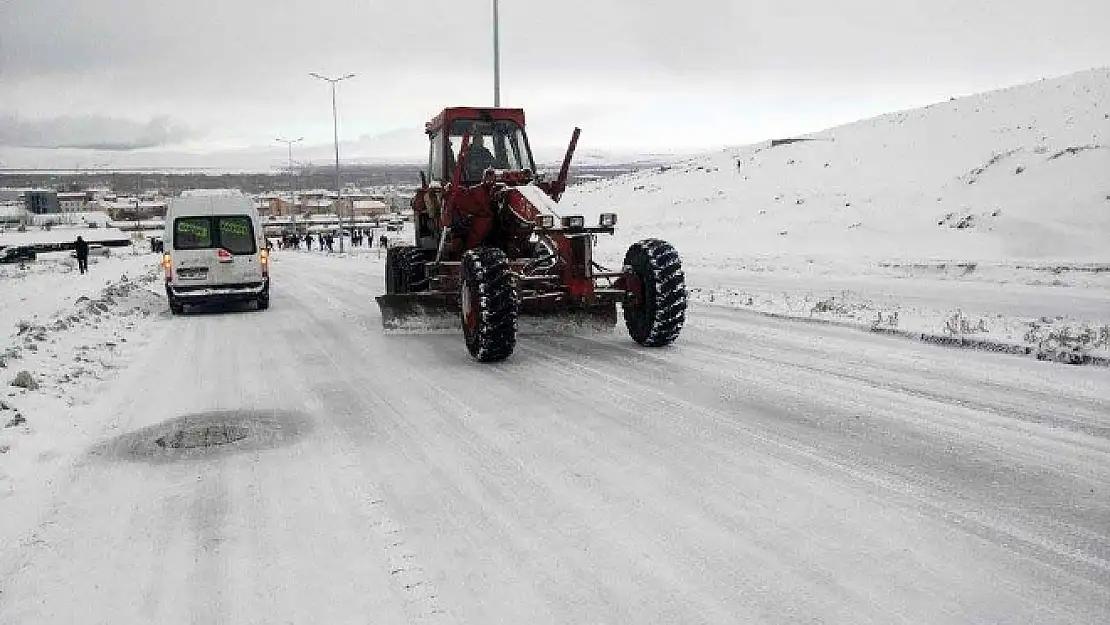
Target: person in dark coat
[
  {"x": 478, "y": 158},
  {"x": 82, "y": 248}
]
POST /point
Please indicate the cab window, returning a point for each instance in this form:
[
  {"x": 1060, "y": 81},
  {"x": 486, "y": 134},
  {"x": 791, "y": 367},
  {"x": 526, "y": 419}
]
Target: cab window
[
  {"x": 502, "y": 142},
  {"x": 436, "y": 166}
]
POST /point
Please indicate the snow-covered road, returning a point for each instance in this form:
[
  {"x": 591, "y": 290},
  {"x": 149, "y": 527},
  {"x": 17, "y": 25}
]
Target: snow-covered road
[{"x": 758, "y": 471}]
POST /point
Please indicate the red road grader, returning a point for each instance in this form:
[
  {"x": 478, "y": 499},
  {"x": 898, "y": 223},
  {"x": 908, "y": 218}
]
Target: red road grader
[{"x": 490, "y": 245}]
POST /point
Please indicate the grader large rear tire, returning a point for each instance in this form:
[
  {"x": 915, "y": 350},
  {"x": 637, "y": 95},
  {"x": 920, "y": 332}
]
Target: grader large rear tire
[
  {"x": 489, "y": 304},
  {"x": 654, "y": 316}
]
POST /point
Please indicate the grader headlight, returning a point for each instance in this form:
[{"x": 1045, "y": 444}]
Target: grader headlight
[
  {"x": 607, "y": 220},
  {"x": 574, "y": 222}
]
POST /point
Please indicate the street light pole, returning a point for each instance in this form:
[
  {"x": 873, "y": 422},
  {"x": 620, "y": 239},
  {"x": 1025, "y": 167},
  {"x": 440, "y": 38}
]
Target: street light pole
[
  {"x": 292, "y": 182},
  {"x": 496, "y": 56},
  {"x": 335, "y": 129}
]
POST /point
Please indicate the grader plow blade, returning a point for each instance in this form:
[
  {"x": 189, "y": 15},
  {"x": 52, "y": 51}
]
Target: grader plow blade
[{"x": 417, "y": 312}]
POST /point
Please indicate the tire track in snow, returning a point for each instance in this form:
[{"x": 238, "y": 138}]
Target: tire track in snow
[{"x": 337, "y": 396}]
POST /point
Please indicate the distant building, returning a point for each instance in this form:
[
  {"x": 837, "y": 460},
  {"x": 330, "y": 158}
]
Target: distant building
[
  {"x": 41, "y": 201},
  {"x": 133, "y": 209},
  {"x": 35, "y": 201},
  {"x": 270, "y": 204},
  {"x": 315, "y": 202},
  {"x": 12, "y": 214},
  {"x": 11, "y": 196},
  {"x": 74, "y": 201},
  {"x": 368, "y": 208}
]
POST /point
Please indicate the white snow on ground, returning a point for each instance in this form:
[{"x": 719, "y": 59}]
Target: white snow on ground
[
  {"x": 994, "y": 208},
  {"x": 70, "y": 333},
  {"x": 39, "y": 289},
  {"x": 760, "y": 471}
]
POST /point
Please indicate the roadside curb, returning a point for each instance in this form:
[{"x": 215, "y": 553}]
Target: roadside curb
[{"x": 959, "y": 342}]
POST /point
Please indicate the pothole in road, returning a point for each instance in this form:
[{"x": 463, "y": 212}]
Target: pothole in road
[{"x": 205, "y": 434}]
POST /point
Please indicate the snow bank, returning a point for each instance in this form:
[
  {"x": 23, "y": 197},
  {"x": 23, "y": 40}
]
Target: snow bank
[
  {"x": 38, "y": 289},
  {"x": 62, "y": 337}
]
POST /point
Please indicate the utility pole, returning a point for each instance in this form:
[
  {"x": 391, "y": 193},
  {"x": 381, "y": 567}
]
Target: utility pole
[
  {"x": 335, "y": 129},
  {"x": 496, "y": 56},
  {"x": 292, "y": 181}
]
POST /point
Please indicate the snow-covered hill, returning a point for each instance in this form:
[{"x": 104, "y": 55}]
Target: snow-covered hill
[
  {"x": 1021, "y": 173},
  {"x": 985, "y": 217}
]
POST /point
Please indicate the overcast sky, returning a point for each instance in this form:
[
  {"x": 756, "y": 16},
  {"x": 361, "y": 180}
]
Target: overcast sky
[{"x": 126, "y": 82}]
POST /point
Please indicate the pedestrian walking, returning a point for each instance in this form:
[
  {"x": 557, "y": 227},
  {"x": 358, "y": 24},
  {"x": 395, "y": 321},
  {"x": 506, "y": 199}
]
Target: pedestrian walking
[
  {"x": 308, "y": 242},
  {"x": 82, "y": 248}
]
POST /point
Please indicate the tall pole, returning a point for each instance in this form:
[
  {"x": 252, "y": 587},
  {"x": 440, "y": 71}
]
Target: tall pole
[
  {"x": 338, "y": 184},
  {"x": 335, "y": 127},
  {"x": 496, "y": 56},
  {"x": 292, "y": 182}
]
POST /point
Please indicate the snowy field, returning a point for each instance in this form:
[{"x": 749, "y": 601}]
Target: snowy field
[
  {"x": 981, "y": 219},
  {"x": 760, "y": 470}
]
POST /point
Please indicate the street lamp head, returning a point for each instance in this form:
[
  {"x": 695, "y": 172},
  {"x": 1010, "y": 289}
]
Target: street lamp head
[{"x": 331, "y": 80}]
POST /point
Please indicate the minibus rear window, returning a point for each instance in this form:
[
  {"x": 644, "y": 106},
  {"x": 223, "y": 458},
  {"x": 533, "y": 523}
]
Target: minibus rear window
[{"x": 234, "y": 233}]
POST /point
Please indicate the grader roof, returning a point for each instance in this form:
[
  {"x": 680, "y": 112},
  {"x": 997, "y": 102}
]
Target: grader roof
[{"x": 454, "y": 113}]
